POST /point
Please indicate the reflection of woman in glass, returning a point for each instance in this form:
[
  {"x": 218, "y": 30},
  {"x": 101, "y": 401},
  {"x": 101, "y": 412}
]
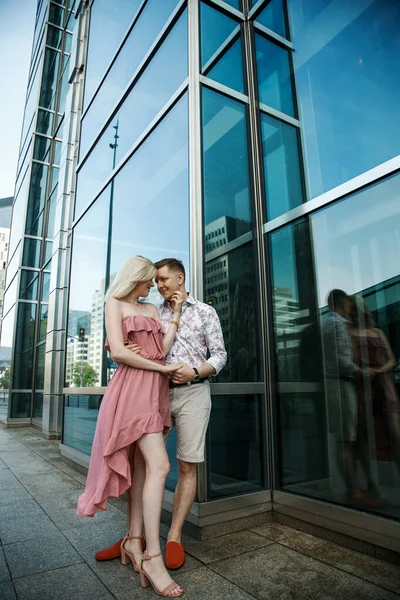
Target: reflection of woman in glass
[
  {"x": 128, "y": 448},
  {"x": 377, "y": 395}
]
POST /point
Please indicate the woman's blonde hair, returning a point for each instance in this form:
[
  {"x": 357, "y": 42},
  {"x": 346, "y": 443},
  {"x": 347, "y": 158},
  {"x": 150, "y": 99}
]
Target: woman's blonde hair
[{"x": 134, "y": 271}]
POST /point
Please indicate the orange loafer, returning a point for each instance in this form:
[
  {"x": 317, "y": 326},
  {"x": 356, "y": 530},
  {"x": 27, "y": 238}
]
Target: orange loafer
[
  {"x": 174, "y": 555},
  {"x": 114, "y": 551}
]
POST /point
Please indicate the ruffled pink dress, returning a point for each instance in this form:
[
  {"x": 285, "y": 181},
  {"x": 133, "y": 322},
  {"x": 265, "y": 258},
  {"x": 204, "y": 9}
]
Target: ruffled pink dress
[{"x": 136, "y": 402}]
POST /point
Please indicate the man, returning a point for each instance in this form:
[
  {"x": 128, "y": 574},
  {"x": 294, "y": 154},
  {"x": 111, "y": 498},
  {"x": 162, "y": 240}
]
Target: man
[
  {"x": 199, "y": 347},
  {"x": 340, "y": 370}
]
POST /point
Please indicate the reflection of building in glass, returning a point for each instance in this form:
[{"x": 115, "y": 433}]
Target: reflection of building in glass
[
  {"x": 96, "y": 334},
  {"x": 5, "y": 225}
]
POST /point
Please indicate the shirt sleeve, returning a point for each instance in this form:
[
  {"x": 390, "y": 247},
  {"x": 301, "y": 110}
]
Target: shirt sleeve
[{"x": 215, "y": 342}]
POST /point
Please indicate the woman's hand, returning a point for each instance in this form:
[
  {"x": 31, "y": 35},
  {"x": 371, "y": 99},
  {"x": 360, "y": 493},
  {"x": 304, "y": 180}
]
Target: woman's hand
[
  {"x": 168, "y": 369},
  {"x": 135, "y": 348},
  {"x": 176, "y": 301}
]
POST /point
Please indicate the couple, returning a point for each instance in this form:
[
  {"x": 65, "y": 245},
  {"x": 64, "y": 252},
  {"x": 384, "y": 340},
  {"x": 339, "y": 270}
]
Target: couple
[
  {"x": 358, "y": 358},
  {"x": 137, "y": 409}
]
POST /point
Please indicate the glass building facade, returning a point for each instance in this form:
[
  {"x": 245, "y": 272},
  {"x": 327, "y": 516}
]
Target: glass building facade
[{"x": 258, "y": 143}]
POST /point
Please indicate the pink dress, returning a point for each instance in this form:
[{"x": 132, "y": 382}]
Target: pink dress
[{"x": 136, "y": 402}]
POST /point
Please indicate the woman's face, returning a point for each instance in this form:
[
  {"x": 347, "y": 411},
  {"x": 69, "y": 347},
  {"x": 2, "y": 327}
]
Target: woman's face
[{"x": 143, "y": 288}]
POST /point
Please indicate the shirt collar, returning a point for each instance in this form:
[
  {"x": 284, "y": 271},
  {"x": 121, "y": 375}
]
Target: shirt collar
[{"x": 189, "y": 300}]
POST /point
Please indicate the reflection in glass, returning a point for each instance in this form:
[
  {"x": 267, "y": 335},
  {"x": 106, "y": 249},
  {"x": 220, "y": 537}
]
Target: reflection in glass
[
  {"x": 40, "y": 357},
  {"x": 36, "y": 198},
  {"x": 41, "y": 149},
  {"x": 44, "y": 123},
  {"x": 163, "y": 76},
  {"x": 56, "y": 15},
  {"x": 49, "y": 78},
  {"x": 44, "y": 310},
  {"x": 7, "y": 335},
  {"x": 274, "y": 76},
  {"x": 20, "y": 405},
  {"x": 29, "y": 285},
  {"x": 347, "y": 93},
  {"x": 273, "y": 17},
  {"x": 229, "y": 68},
  {"x": 31, "y": 253},
  {"x": 24, "y": 346},
  {"x": 114, "y": 18},
  {"x": 145, "y": 31},
  {"x": 234, "y": 446},
  {"x": 226, "y": 173},
  {"x": 282, "y": 168},
  {"x": 215, "y": 27},
  {"x": 80, "y": 416},
  {"x": 151, "y": 196},
  {"x": 86, "y": 303},
  {"x": 38, "y": 405},
  {"x": 54, "y": 36}
]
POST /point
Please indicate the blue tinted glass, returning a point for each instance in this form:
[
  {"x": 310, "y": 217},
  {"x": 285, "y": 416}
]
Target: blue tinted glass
[
  {"x": 273, "y": 17},
  {"x": 215, "y": 27},
  {"x": 347, "y": 88},
  {"x": 41, "y": 149},
  {"x": 146, "y": 29},
  {"x": 226, "y": 174},
  {"x": 36, "y": 198},
  {"x": 28, "y": 285},
  {"x": 80, "y": 417},
  {"x": 229, "y": 69},
  {"x": 113, "y": 18},
  {"x": 234, "y": 3},
  {"x": 44, "y": 122},
  {"x": 49, "y": 79},
  {"x": 274, "y": 76},
  {"x": 163, "y": 76},
  {"x": 158, "y": 174},
  {"x": 23, "y": 346},
  {"x": 282, "y": 167},
  {"x": 40, "y": 358},
  {"x": 31, "y": 253}
]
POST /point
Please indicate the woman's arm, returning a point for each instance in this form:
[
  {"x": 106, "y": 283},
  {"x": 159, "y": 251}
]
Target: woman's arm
[
  {"x": 119, "y": 352},
  {"x": 391, "y": 362}
]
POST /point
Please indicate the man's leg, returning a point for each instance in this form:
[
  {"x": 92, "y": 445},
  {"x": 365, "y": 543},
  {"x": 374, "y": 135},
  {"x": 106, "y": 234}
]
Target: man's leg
[{"x": 185, "y": 492}]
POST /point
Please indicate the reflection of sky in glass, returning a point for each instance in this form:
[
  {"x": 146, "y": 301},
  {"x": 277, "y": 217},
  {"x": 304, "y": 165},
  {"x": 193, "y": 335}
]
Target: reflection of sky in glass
[
  {"x": 163, "y": 76},
  {"x": 146, "y": 29},
  {"x": 347, "y": 58},
  {"x": 108, "y": 23},
  {"x": 215, "y": 27},
  {"x": 151, "y": 195},
  {"x": 357, "y": 241}
]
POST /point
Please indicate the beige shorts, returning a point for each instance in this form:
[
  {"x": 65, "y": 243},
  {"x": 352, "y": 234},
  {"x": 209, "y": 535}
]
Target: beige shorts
[{"x": 190, "y": 413}]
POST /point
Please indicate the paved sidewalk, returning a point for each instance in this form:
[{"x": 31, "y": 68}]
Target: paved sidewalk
[{"x": 47, "y": 552}]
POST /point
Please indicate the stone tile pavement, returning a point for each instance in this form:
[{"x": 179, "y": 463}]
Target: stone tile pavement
[{"x": 47, "y": 553}]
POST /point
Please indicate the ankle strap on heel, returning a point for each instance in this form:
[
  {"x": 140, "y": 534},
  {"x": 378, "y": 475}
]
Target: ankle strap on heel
[
  {"x": 149, "y": 557},
  {"x": 132, "y": 537}
]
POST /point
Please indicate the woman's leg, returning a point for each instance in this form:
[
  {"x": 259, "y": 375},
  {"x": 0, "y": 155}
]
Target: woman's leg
[
  {"x": 135, "y": 507},
  {"x": 157, "y": 468}
]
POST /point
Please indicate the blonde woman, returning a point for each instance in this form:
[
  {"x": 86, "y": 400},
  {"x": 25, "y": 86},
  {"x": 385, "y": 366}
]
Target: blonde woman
[{"x": 128, "y": 449}]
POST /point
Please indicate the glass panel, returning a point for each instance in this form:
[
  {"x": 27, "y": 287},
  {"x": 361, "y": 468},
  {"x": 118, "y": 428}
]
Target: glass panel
[
  {"x": 44, "y": 122},
  {"x": 29, "y": 285},
  {"x": 45, "y": 286},
  {"x": 229, "y": 69},
  {"x": 44, "y": 309},
  {"x": 37, "y": 192},
  {"x": 49, "y": 78},
  {"x": 300, "y": 409},
  {"x": 57, "y": 152},
  {"x": 282, "y": 169},
  {"x": 348, "y": 96},
  {"x": 18, "y": 215},
  {"x": 87, "y": 288},
  {"x": 40, "y": 358},
  {"x": 52, "y": 204},
  {"x": 235, "y": 446},
  {"x": 80, "y": 417},
  {"x": 24, "y": 346},
  {"x": 166, "y": 72},
  {"x": 274, "y": 76},
  {"x": 64, "y": 87},
  {"x": 38, "y": 405},
  {"x": 10, "y": 295},
  {"x": 226, "y": 173},
  {"x": 21, "y": 405},
  {"x": 41, "y": 149},
  {"x": 273, "y": 17},
  {"x": 68, "y": 42},
  {"x": 7, "y": 334},
  {"x": 234, "y": 3},
  {"x": 56, "y": 15},
  {"x": 54, "y": 36},
  {"x": 31, "y": 103},
  {"x": 215, "y": 27},
  {"x": 48, "y": 253},
  {"x": 31, "y": 254},
  {"x": 115, "y": 19},
  {"x": 231, "y": 289},
  {"x": 146, "y": 29}
]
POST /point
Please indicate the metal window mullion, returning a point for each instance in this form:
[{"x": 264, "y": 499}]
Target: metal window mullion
[
  {"x": 277, "y": 114},
  {"x": 223, "y": 89},
  {"x": 195, "y": 185},
  {"x": 273, "y": 36},
  {"x": 262, "y": 257},
  {"x": 224, "y": 47},
  {"x": 227, "y": 9}
]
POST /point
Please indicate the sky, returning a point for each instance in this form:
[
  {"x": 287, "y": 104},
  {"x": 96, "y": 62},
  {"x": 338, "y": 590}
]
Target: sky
[{"x": 16, "y": 34}]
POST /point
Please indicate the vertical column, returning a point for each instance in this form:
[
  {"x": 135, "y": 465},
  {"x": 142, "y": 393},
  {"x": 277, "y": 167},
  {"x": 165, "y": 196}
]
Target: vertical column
[
  {"x": 195, "y": 183},
  {"x": 261, "y": 248}
]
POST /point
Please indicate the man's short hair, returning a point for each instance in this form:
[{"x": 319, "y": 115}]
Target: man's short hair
[
  {"x": 173, "y": 264},
  {"x": 336, "y": 299}
]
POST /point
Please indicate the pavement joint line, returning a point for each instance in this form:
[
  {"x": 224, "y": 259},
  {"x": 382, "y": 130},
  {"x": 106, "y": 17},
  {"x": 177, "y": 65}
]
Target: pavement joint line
[
  {"x": 231, "y": 582},
  {"x": 338, "y": 568}
]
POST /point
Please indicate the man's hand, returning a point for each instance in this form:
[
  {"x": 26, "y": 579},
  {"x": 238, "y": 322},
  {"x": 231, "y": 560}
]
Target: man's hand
[
  {"x": 183, "y": 375},
  {"x": 135, "y": 348}
]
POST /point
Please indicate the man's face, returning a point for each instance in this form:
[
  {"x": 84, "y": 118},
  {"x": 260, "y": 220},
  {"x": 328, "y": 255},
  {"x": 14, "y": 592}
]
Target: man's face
[{"x": 168, "y": 282}]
